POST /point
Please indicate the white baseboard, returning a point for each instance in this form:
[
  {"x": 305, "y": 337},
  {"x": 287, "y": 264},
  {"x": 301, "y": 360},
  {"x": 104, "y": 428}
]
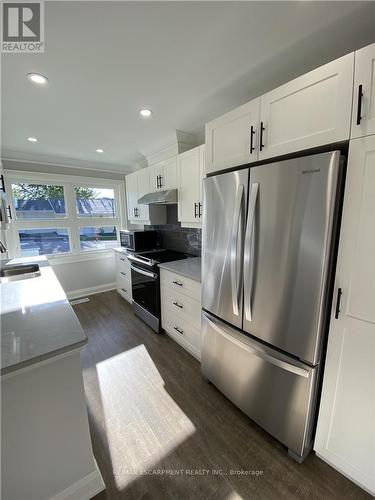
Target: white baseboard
[
  {"x": 75, "y": 294},
  {"x": 84, "y": 489}
]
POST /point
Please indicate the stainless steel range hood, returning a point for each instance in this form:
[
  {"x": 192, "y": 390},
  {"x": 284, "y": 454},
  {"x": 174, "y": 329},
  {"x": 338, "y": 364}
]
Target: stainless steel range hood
[{"x": 167, "y": 197}]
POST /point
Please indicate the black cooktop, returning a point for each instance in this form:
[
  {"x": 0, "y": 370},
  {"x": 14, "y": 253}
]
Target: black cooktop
[{"x": 162, "y": 255}]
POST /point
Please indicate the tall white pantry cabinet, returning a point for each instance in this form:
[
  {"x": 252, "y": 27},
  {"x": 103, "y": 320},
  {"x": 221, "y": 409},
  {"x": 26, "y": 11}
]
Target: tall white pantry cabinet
[{"x": 345, "y": 435}]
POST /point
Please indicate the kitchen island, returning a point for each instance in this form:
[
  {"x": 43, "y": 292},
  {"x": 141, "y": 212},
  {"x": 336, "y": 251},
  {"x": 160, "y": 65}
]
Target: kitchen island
[{"x": 46, "y": 446}]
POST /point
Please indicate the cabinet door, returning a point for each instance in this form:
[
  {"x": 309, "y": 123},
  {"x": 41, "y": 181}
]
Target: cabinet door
[
  {"x": 346, "y": 426},
  {"x": 202, "y": 174},
  {"x": 143, "y": 188},
  {"x": 188, "y": 186},
  {"x": 154, "y": 175},
  {"x": 363, "y": 119},
  {"x": 229, "y": 141},
  {"x": 310, "y": 111},
  {"x": 132, "y": 196},
  {"x": 169, "y": 174}
]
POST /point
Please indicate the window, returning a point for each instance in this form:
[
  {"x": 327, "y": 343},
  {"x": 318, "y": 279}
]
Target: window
[
  {"x": 97, "y": 238},
  {"x": 63, "y": 215},
  {"x": 95, "y": 202},
  {"x": 46, "y": 241},
  {"x": 38, "y": 201}
]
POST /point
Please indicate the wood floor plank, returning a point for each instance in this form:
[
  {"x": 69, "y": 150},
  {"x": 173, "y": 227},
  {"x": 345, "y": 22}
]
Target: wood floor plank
[{"x": 151, "y": 412}]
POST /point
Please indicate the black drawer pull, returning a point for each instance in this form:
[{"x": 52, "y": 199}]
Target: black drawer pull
[
  {"x": 2, "y": 183},
  {"x": 195, "y": 210},
  {"x": 9, "y": 212},
  {"x": 177, "y": 283},
  {"x": 199, "y": 209},
  {"x": 359, "y": 105},
  {"x": 122, "y": 258},
  {"x": 124, "y": 274},
  {"x": 178, "y": 305},
  {"x": 123, "y": 289},
  {"x": 178, "y": 330}
]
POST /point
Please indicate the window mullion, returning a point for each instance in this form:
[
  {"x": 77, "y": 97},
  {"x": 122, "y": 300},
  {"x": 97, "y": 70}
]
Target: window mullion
[{"x": 72, "y": 217}]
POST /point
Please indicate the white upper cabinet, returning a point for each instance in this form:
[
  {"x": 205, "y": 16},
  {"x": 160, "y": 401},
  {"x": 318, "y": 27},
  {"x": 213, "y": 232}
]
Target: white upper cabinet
[
  {"x": 143, "y": 188},
  {"x": 363, "y": 119},
  {"x": 132, "y": 196},
  {"x": 163, "y": 175},
  {"x": 190, "y": 175},
  {"x": 345, "y": 435},
  {"x": 232, "y": 139},
  {"x": 310, "y": 111}
]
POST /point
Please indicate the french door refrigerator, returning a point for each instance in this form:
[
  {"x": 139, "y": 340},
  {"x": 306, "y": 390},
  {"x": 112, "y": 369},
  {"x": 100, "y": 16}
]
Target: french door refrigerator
[{"x": 267, "y": 254}]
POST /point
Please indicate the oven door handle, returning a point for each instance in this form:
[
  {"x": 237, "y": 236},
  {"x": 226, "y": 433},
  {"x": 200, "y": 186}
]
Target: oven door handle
[
  {"x": 136, "y": 259},
  {"x": 145, "y": 273}
]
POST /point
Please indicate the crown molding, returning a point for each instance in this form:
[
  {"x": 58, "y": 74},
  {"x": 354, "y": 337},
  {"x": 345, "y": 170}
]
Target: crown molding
[
  {"x": 47, "y": 160},
  {"x": 177, "y": 143}
]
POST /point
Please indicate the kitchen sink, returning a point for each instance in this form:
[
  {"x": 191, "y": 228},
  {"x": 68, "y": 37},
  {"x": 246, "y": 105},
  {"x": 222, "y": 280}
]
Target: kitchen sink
[{"x": 19, "y": 272}]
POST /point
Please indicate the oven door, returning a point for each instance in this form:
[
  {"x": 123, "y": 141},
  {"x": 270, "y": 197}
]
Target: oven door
[{"x": 145, "y": 288}]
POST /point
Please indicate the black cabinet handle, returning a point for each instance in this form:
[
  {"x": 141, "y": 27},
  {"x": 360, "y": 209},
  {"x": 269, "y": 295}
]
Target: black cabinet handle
[
  {"x": 123, "y": 289},
  {"x": 338, "y": 301},
  {"x": 122, "y": 258},
  {"x": 157, "y": 182},
  {"x": 195, "y": 210},
  {"x": 2, "y": 183},
  {"x": 262, "y": 129},
  {"x": 160, "y": 181},
  {"x": 252, "y": 133},
  {"x": 136, "y": 212},
  {"x": 177, "y": 283},
  {"x": 9, "y": 212},
  {"x": 178, "y": 330},
  {"x": 199, "y": 209},
  {"x": 124, "y": 274},
  {"x": 359, "y": 105},
  {"x": 178, "y": 305}
]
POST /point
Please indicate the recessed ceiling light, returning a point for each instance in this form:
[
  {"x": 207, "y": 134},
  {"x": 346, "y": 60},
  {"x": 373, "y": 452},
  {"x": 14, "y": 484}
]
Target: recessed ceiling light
[
  {"x": 99, "y": 150},
  {"x": 32, "y": 139},
  {"x": 146, "y": 113},
  {"x": 36, "y": 78}
]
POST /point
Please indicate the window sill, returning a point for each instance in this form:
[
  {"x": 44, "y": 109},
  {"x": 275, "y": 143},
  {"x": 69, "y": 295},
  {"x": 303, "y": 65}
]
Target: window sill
[{"x": 79, "y": 257}]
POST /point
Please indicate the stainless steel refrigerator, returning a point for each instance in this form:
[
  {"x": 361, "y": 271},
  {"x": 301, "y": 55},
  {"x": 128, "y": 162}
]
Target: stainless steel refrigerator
[{"x": 267, "y": 258}]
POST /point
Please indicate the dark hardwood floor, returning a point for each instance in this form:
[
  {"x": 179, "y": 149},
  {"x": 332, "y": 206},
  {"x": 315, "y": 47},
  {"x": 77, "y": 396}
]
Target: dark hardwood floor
[{"x": 160, "y": 432}]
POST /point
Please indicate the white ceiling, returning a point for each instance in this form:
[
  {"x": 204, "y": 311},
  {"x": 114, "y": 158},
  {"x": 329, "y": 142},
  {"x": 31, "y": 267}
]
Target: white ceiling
[{"x": 187, "y": 61}]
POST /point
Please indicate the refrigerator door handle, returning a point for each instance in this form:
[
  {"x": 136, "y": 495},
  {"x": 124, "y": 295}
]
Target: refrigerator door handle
[
  {"x": 256, "y": 351},
  {"x": 249, "y": 251},
  {"x": 234, "y": 268}
]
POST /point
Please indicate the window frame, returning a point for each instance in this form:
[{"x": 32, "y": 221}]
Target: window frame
[{"x": 71, "y": 221}]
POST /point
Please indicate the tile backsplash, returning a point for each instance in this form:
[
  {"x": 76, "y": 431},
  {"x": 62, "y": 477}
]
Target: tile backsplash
[{"x": 174, "y": 237}]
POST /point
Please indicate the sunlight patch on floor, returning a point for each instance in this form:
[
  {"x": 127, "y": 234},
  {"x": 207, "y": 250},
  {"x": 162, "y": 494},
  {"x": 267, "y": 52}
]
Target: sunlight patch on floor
[{"x": 143, "y": 423}]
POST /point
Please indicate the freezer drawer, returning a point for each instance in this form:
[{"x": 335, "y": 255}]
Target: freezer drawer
[{"x": 274, "y": 390}]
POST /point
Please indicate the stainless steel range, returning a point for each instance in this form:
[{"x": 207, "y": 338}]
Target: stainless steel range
[{"x": 146, "y": 283}]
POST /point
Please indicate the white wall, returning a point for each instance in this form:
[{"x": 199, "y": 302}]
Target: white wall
[{"x": 86, "y": 276}]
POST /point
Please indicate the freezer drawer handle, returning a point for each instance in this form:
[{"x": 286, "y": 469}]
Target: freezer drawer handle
[
  {"x": 235, "y": 270},
  {"x": 260, "y": 354},
  {"x": 249, "y": 251}
]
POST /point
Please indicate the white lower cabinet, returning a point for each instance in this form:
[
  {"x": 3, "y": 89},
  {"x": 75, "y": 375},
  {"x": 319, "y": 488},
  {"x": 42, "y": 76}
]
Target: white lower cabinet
[
  {"x": 123, "y": 276},
  {"x": 181, "y": 310},
  {"x": 345, "y": 435}
]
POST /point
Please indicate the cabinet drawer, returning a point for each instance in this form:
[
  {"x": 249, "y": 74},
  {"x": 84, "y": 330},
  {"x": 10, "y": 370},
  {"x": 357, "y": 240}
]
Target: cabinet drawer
[
  {"x": 184, "y": 285},
  {"x": 182, "y": 329},
  {"x": 184, "y": 307},
  {"x": 124, "y": 286}
]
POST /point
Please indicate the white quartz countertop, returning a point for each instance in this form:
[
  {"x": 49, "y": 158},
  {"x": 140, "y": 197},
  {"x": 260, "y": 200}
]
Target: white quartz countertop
[
  {"x": 190, "y": 268},
  {"x": 37, "y": 320}
]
